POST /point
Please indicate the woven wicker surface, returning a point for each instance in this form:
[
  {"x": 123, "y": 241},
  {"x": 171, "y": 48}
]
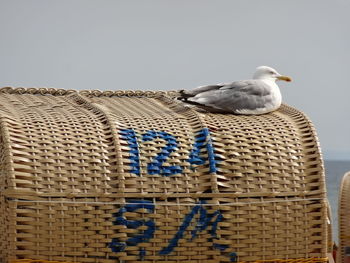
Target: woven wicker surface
[
  {"x": 310, "y": 260},
  {"x": 344, "y": 217},
  {"x": 330, "y": 241},
  {"x": 135, "y": 176}
]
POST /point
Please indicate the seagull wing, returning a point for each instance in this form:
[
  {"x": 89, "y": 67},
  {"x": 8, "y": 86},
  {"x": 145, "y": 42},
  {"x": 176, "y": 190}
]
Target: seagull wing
[
  {"x": 236, "y": 97},
  {"x": 184, "y": 94}
]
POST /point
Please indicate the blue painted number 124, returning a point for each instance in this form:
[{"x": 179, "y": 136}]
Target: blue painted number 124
[{"x": 202, "y": 140}]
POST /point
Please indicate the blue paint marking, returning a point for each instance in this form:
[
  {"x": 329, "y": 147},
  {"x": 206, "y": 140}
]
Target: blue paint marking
[
  {"x": 195, "y": 157},
  {"x": 220, "y": 246},
  {"x": 219, "y": 218},
  {"x": 186, "y": 222},
  {"x": 203, "y": 139},
  {"x": 233, "y": 257},
  {"x": 145, "y": 236},
  {"x": 142, "y": 253},
  {"x": 202, "y": 224},
  {"x": 156, "y": 166},
  {"x": 130, "y": 136}
]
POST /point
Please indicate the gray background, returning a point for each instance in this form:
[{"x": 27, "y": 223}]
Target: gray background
[{"x": 180, "y": 44}]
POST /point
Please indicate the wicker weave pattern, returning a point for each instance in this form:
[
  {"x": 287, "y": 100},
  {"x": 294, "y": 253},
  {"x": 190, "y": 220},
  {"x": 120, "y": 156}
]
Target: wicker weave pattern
[
  {"x": 299, "y": 260},
  {"x": 136, "y": 176},
  {"x": 344, "y": 222}
]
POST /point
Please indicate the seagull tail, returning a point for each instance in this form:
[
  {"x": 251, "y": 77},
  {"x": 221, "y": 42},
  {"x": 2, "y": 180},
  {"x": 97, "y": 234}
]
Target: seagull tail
[{"x": 184, "y": 96}]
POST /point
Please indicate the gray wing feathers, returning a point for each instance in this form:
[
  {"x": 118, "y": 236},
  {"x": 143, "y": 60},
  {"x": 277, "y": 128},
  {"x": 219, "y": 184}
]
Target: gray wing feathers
[
  {"x": 238, "y": 95},
  {"x": 198, "y": 90}
]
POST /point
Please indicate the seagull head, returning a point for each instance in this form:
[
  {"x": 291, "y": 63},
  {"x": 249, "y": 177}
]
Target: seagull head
[{"x": 268, "y": 73}]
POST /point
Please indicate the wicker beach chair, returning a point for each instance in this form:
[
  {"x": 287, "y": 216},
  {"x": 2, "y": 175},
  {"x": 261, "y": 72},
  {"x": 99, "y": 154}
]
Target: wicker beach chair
[
  {"x": 344, "y": 222},
  {"x": 133, "y": 176}
]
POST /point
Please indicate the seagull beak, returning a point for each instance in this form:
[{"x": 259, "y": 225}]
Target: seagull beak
[{"x": 285, "y": 78}]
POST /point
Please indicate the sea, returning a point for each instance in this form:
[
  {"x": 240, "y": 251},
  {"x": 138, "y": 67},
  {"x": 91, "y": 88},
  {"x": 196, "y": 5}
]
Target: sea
[{"x": 335, "y": 171}]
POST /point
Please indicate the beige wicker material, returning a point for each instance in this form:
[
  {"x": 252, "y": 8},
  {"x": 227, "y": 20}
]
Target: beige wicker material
[
  {"x": 310, "y": 260},
  {"x": 76, "y": 167},
  {"x": 329, "y": 229},
  {"x": 344, "y": 217}
]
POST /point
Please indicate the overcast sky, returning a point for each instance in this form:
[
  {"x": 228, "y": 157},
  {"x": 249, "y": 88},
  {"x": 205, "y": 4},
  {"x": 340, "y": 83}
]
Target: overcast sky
[{"x": 180, "y": 44}]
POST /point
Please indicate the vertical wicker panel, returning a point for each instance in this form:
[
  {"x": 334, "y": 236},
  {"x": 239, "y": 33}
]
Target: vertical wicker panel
[
  {"x": 138, "y": 177},
  {"x": 343, "y": 214},
  {"x": 330, "y": 242}
]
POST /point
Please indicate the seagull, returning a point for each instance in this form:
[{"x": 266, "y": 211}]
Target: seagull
[{"x": 256, "y": 96}]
